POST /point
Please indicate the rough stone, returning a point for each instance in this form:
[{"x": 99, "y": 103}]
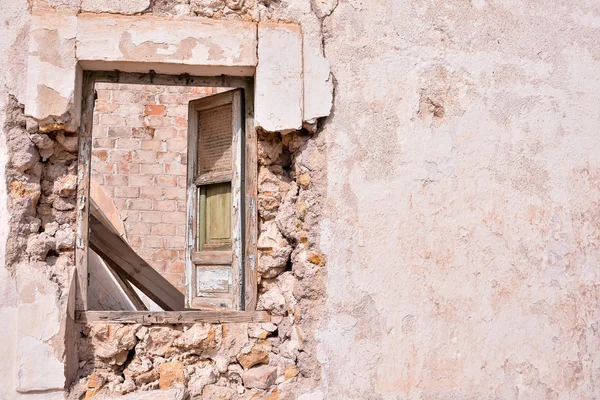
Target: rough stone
[
  {"x": 272, "y": 300},
  {"x": 274, "y": 251},
  {"x": 199, "y": 337},
  {"x": 94, "y": 384},
  {"x": 218, "y": 392},
  {"x": 201, "y": 378},
  {"x": 171, "y": 373},
  {"x": 38, "y": 246},
  {"x": 66, "y": 186},
  {"x": 253, "y": 356},
  {"x": 65, "y": 238},
  {"x": 262, "y": 377}
]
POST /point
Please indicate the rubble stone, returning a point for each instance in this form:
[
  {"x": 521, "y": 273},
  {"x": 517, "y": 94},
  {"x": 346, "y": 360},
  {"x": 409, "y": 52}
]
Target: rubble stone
[
  {"x": 171, "y": 373},
  {"x": 251, "y": 357},
  {"x": 274, "y": 251},
  {"x": 262, "y": 377},
  {"x": 215, "y": 392},
  {"x": 203, "y": 377}
]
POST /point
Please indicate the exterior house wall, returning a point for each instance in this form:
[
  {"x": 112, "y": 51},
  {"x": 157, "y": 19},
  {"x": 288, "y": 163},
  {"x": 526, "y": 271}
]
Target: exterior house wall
[{"x": 455, "y": 186}]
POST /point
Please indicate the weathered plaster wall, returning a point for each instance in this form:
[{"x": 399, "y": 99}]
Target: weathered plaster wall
[
  {"x": 13, "y": 43},
  {"x": 462, "y": 184},
  {"x": 462, "y": 221}
]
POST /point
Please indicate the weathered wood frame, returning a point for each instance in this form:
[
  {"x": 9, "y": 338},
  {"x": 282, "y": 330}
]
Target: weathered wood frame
[
  {"x": 248, "y": 212},
  {"x": 236, "y": 177}
]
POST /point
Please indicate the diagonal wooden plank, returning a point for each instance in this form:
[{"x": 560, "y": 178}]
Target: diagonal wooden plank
[{"x": 119, "y": 255}]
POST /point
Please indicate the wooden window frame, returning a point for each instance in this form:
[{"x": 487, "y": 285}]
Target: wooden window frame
[
  {"x": 237, "y": 176},
  {"x": 246, "y": 308}
]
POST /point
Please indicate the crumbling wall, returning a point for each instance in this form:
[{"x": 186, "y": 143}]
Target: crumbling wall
[
  {"x": 41, "y": 183},
  {"x": 236, "y": 360},
  {"x": 139, "y": 155},
  {"x": 220, "y": 360}
]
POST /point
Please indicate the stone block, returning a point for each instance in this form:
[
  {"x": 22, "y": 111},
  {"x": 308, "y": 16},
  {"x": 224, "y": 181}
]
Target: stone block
[
  {"x": 52, "y": 75},
  {"x": 252, "y": 357},
  {"x": 279, "y": 83},
  {"x": 183, "y": 45},
  {"x": 115, "y": 6},
  {"x": 262, "y": 377},
  {"x": 318, "y": 85},
  {"x": 171, "y": 373}
]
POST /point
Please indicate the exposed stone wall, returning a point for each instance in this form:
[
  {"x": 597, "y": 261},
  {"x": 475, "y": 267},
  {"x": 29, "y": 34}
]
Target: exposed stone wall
[
  {"x": 41, "y": 182},
  {"x": 236, "y": 361},
  {"x": 139, "y": 156}
]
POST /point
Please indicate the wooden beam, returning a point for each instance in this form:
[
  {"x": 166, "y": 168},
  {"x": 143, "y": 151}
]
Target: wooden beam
[
  {"x": 250, "y": 211},
  {"x": 168, "y": 80},
  {"x": 172, "y": 317},
  {"x": 83, "y": 189},
  {"x": 113, "y": 249}
]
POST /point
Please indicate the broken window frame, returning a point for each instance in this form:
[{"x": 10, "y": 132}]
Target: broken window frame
[{"x": 246, "y": 305}]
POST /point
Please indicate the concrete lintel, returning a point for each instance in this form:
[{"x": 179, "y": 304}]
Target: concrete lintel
[{"x": 279, "y": 81}]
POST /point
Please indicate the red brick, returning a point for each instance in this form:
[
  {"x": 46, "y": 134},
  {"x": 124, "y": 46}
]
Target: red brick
[
  {"x": 152, "y": 169},
  {"x": 181, "y": 122},
  {"x": 134, "y": 241},
  {"x": 145, "y": 156},
  {"x": 142, "y": 180},
  {"x": 165, "y": 133},
  {"x": 138, "y": 228},
  {"x": 139, "y": 204},
  {"x": 177, "y": 217},
  {"x": 151, "y": 216},
  {"x": 128, "y": 168},
  {"x": 103, "y": 95},
  {"x": 170, "y": 99},
  {"x": 166, "y": 181},
  {"x": 151, "y": 192},
  {"x": 174, "y": 193},
  {"x": 165, "y": 255},
  {"x": 168, "y": 156},
  {"x": 128, "y": 192},
  {"x": 99, "y": 155},
  {"x": 177, "y": 144},
  {"x": 112, "y": 119},
  {"x": 163, "y": 229},
  {"x": 103, "y": 167},
  {"x": 157, "y": 121},
  {"x": 119, "y": 132},
  {"x": 120, "y": 155},
  {"x": 129, "y": 216},
  {"x": 175, "y": 169},
  {"x": 105, "y": 107},
  {"x": 182, "y": 181},
  {"x": 174, "y": 242},
  {"x": 164, "y": 205},
  {"x": 181, "y": 205},
  {"x": 144, "y": 132},
  {"x": 153, "y": 242},
  {"x": 154, "y": 88},
  {"x": 151, "y": 145},
  {"x": 103, "y": 143},
  {"x": 154, "y": 109},
  {"x": 127, "y": 143},
  {"x": 176, "y": 267},
  {"x": 116, "y": 180}
]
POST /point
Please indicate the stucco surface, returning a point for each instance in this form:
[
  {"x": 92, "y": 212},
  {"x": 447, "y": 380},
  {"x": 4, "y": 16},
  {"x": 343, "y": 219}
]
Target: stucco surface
[{"x": 462, "y": 218}]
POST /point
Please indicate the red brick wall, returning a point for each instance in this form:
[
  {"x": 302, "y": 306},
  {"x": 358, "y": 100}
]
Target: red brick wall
[{"x": 139, "y": 158}]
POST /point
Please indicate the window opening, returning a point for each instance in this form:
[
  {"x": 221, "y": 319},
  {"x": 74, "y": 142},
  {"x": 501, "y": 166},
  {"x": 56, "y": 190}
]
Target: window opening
[{"x": 166, "y": 202}]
